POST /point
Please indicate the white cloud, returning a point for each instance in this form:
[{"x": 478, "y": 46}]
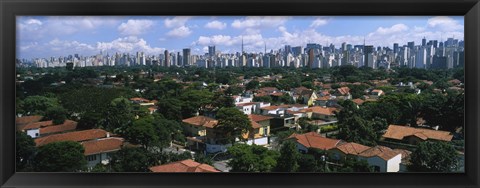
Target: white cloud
[
  {"x": 390, "y": 30},
  {"x": 444, "y": 23},
  {"x": 33, "y": 22},
  {"x": 259, "y": 22},
  {"x": 177, "y": 21},
  {"x": 129, "y": 44},
  {"x": 180, "y": 32},
  {"x": 135, "y": 27},
  {"x": 319, "y": 22},
  {"x": 216, "y": 25},
  {"x": 60, "y": 45}
]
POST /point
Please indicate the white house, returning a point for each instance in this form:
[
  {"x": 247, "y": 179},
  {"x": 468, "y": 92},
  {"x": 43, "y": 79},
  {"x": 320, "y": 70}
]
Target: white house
[
  {"x": 98, "y": 151},
  {"x": 382, "y": 159}
]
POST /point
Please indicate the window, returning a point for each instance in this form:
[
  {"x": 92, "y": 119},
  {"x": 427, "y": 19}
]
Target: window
[
  {"x": 376, "y": 168},
  {"x": 36, "y": 134},
  {"x": 91, "y": 157}
]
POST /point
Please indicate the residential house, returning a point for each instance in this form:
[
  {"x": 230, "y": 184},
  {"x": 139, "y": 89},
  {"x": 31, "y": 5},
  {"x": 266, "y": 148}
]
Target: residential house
[
  {"x": 43, "y": 128},
  {"x": 20, "y": 122},
  {"x": 318, "y": 112},
  {"x": 376, "y": 93},
  {"x": 76, "y": 136},
  {"x": 343, "y": 93},
  {"x": 382, "y": 159},
  {"x": 260, "y": 131},
  {"x": 313, "y": 140},
  {"x": 184, "y": 166},
  {"x": 196, "y": 126},
  {"x": 405, "y": 159},
  {"x": 307, "y": 96},
  {"x": 100, "y": 150},
  {"x": 411, "y": 135},
  {"x": 348, "y": 149},
  {"x": 246, "y": 108},
  {"x": 241, "y": 99},
  {"x": 358, "y": 102}
]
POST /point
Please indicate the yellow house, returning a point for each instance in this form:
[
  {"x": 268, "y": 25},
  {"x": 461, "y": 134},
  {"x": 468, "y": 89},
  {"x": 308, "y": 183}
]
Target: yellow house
[
  {"x": 196, "y": 126},
  {"x": 260, "y": 130}
]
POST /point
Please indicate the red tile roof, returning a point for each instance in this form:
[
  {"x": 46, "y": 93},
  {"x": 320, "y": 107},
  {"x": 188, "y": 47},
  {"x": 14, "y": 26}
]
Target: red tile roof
[
  {"x": 358, "y": 101},
  {"x": 139, "y": 99},
  {"x": 104, "y": 145},
  {"x": 344, "y": 90},
  {"x": 399, "y": 132},
  {"x": 321, "y": 110},
  {"x": 27, "y": 120},
  {"x": 199, "y": 121},
  {"x": 379, "y": 151},
  {"x": 76, "y": 136},
  {"x": 68, "y": 125},
  {"x": 315, "y": 140},
  {"x": 37, "y": 125},
  {"x": 184, "y": 166},
  {"x": 352, "y": 148},
  {"x": 258, "y": 118}
]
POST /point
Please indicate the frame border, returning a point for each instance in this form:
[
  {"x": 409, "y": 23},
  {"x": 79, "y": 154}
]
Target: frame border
[{"x": 10, "y": 8}]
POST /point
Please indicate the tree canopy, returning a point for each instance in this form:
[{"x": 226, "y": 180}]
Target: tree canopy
[{"x": 64, "y": 156}]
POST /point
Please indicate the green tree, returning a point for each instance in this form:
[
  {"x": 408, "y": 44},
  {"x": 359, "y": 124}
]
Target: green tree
[
  {"x": 142, "y": 132},
  {"x": 254, "y": 84},
  {"x": 38, "y": 105},
  {"x": 352, "y": 164},
  {"x": 120, "y": 115},
  {"x": 170, "y": 108},
  {"x": 433, "y": 157},
  {"x": 132, "y": 160},
  {"x": 25, "y": 151},
  {"x": 289, "y": 156},
  {"x": 65, "y": 156},
  {"x": 254, "y": 158},
  {"x": 57, "y": 114},
  {"x": 233, "y": 123}
]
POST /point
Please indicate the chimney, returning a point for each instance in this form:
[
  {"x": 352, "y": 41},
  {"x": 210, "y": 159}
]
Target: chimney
[{"x": 108, "y": 135}]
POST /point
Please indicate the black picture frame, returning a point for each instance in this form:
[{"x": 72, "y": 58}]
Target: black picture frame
[{"x": 11, "y": 8}]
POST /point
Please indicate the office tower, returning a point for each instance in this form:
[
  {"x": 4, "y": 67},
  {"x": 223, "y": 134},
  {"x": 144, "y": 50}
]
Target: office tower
[
  {"x": 179, "y": 60},
  {"x": 211, "y": 51},
  {"x": 167, "y": 58},
  {"x": 411, "y": 45},
  {"x": 288, "y": 49},
  {"x": 186, "y": 57},
  {"x": 424, "y": 41},
  {"x": 435, "y": 43},
  {"x": 266, "y": 61},
  {"x": 368, "y": 56},
  {"x": 421, "y": 58},
  {"x": 395, "y": 48},
  {"x": 344, "y": 46},
  {"x": 297, "y": 51}
]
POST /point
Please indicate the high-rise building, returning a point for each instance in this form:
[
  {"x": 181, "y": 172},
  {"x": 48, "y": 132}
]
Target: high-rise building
[
  {"x": 187, "y": 57},
  {"x": 395, "y": 48},
  {"x": 368, "y": 56},
  {"x": 411, "y": 45},
  {"x": 211, "y": 51},
  {"x": 167, "y": 59},
  {"x": 421, "y": 58},
  {"x": 424, "y": 41}
]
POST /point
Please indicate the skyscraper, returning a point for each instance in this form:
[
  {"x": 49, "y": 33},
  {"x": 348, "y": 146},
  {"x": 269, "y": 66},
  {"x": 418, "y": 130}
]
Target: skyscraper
[
  {"x": 211, "y": 51},
  {"x": 167, "y": 59},
  {"x": 186, "y": 57}
]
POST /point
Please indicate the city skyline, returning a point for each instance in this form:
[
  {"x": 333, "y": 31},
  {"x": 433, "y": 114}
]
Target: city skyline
[{"x": 48, "y": 36}]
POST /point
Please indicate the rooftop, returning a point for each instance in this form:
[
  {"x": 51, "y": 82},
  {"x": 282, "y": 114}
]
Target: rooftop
[
  {"x": 399, "y": 132},
  {"x": 184, "y": 166}
]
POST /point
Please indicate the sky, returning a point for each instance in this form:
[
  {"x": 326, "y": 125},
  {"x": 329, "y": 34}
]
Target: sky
[{"x": 55, "y": 36}]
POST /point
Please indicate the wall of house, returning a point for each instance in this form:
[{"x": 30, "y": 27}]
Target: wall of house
[
  {"x": 302, "y": 148},
  {"x": 194, "y": 130},
  {"x": 34, "y": 133},
  {"x": 214, "y": 148},
  {"x": 258, "y": 141},
  {"x": 376, "y": 161},
  {"x": 393, "y": 165},
  {"x": 97, "y": 159}
]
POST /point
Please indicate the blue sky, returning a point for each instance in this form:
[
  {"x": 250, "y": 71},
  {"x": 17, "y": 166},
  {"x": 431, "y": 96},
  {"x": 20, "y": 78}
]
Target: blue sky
[{"x": 47, "y": 36}]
